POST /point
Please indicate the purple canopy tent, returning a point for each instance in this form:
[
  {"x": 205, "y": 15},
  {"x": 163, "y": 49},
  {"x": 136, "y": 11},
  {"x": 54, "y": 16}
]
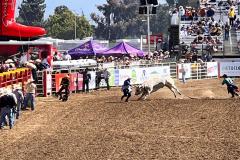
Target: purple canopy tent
[
  {"x": 124, "y": 48},
  {"x": 89, "y": 48}
]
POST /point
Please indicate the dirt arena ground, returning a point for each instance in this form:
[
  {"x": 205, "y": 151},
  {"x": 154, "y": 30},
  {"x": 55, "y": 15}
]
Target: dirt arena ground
[{"x": 98, "y": 126}]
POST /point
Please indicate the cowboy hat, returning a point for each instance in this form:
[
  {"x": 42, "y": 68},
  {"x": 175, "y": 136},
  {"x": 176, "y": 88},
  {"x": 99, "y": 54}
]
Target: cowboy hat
[
  {"x": 38, "y": 60},
  {"x": 9, "y": 61}
]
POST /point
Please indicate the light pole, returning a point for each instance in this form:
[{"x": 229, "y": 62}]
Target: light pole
[
  {"x": 145, "y": 7},
  {"x": 141, "y": 40},
  {"x": 75, "y": 22},
  {"x": 148, "y": 26},
  {"x": 75, "y": 27}
]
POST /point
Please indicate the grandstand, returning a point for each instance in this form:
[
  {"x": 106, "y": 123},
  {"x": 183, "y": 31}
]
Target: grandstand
[{"x": 215, "y": 13}]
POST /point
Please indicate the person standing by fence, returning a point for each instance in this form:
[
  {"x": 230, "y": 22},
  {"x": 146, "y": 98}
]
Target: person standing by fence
[
  {"x": 226, "y": 30},
  {"x": 231, "y": 16},
  {"x": 183, "y": 71},
  {"x": 19, "y": 95},
  {"x": 29, "y": 98},
  {"x": 86, "y": 80},
  {"x": 106, "y": 75}
]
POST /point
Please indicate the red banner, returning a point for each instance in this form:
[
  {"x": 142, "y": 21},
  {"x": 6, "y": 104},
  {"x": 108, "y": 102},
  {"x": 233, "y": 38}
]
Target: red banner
[
  {"x": 80, "y": 82},
  {"x": 76, "y": 81}
]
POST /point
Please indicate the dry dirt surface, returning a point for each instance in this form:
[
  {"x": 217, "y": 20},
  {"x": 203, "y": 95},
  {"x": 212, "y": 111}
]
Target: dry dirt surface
[{"x": 98, "y": 126}]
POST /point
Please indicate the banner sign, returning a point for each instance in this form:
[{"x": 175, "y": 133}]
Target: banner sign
[
  {"x": 123, "y": 75},
  {"x": 231, "y": 69},
  {"x": 92, "y": 83},
  {"x": 79, "y": 82},
  {"x": 49, "y": 83},
  {"x": 58, "y": 79},
  {"x": 186, "y": 67},
  {"x": 212, "y": 69},
  {"x": 139, "y": 75},
  {"x": 73, "y": 80}
]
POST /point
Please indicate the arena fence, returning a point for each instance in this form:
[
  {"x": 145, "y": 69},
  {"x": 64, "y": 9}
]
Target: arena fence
[
  {"x": 49, "y": 81},
  {"x": 138, "y": 73},
  {"x": 15, "y": 78}
]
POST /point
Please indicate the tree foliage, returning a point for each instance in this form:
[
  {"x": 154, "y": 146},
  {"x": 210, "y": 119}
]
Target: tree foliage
[
  {"x": 31, "y": 12},
  {"x": 120, "y": 19},
  {"x": 62, "y": 24}
]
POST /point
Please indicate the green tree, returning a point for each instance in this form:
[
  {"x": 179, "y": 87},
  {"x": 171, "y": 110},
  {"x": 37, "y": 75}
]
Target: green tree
[
  {"x": 62, "y": 24},
  {"x": 170, "y": 2},
  {"x": 120, "y": 19},
  {"x": 31, "y": 12}
]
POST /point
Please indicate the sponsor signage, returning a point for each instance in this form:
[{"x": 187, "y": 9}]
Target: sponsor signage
[
  {"x": 231, "y": 69},
  {"x": 212, "y": 69}
]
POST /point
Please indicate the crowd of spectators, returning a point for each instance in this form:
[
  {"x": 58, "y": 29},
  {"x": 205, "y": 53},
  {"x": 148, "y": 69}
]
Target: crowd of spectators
[
  {"x": 191, "y": 13},
  {"x": 20, "y": 61},
  {"x": 200, "y": 31},
  {"x": 205, "y": 26},
  {"x": 13, "y": 101},
  {"x": 122, "y": 60},
  {"x": 155, "y": 57}
]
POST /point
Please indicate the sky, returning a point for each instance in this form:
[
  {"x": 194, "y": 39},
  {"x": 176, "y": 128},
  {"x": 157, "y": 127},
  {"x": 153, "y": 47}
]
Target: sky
[{"x": 87, "y": 6}]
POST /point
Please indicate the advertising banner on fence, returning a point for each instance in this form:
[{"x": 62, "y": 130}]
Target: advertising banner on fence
[
  {"x": 48, "y": 83},
  {"x": 212, "y": 69},
  {"x": 112, "y": 77},
  {"x": 123, "y": 75},
  {"x": 73, "y": 80},
  {"x": 92, "y": 83},
  {"x": 58, "y": 79},
  {"x": 231, "y": 69},
  {"x": 79, "y": 82},
  {"x": 158, "y": 71},
  {"x": 186, "y": 67},
  {"x": 138, "y": 75}
]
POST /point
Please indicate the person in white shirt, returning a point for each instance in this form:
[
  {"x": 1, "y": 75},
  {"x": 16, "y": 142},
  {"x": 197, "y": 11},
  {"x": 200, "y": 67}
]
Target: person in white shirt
[{"x": 66, "y": 56}]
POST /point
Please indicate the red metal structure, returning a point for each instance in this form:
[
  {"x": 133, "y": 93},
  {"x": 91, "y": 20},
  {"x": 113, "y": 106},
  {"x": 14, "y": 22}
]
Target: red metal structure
[
  {"x": 18, "y": 76},
  {"x": 10, "y": 29},
  {"x": 155, "y": 38}
]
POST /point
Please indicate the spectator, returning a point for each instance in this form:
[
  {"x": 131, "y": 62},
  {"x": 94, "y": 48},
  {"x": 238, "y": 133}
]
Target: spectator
[
  {"x": 226, "y": 29},
  {"x": 8, "y": 104},
  {"x": 66, "y": 56},
  {"x": 86, "y": 80},
  {"x": 106, "y": 75},
  {"x": 231, "y": 15},
  {"x": 34, "y": 70},
  {"x": 56, "y": 57},
  {"x": 39, "y": 65},
  {"x": 210, "y": 12},
  {"x": 19, "y": 95},
  {"x": 183, "y": 71},
  {"x": 23, "y": 59},
  {"x": 30, "y": 94}
]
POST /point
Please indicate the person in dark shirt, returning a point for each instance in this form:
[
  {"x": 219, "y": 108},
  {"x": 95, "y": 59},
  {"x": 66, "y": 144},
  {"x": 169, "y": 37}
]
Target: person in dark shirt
[
  {"x": 127, "y": 89},
  {"x": 231, "y": 87},
  {"x": 86, "y": 80},
  {"x": 65, "y": 83},
  {"x": 8, "y": 108}
]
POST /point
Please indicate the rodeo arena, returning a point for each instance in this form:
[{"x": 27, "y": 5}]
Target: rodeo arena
[{"x": 91, "y": 99}]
